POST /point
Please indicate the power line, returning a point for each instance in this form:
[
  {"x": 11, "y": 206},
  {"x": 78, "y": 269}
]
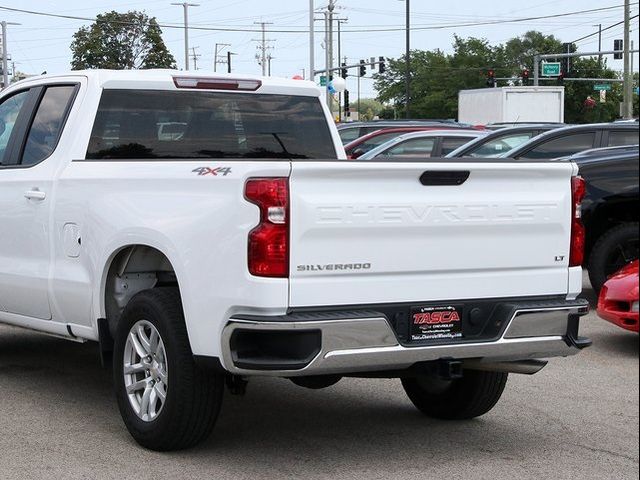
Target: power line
[
  {"x": 604, "y": 29},
  {"x": 356, "y": 30}
]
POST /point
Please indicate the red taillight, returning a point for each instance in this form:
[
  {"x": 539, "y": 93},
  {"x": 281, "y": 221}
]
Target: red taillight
[
  {"x": 268, "y": 254},
  {"x": 578, "y": 191}
]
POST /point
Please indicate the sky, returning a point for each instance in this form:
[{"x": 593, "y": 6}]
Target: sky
[{"x": 373, "y": 28}]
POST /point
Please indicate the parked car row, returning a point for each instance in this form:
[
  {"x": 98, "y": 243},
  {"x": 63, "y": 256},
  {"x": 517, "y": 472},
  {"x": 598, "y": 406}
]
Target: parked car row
[{"x": 606, "y": 153}]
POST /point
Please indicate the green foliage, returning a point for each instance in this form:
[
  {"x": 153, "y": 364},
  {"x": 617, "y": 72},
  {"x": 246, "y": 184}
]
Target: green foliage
[
  {"x": 369, "y": 108},
  {"x": 436, "y": 77},
  {"x": 121, "y": 41}
]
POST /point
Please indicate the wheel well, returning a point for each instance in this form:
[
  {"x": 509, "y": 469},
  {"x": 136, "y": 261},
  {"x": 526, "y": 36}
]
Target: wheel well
[
  {"x": 608, "y": 217},
  {"x": 133, "y": 269}
]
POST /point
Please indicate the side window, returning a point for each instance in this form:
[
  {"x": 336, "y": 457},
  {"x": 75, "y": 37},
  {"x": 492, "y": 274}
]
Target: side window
[
  {"x": 449, "y": 144},
  {"x": 349, "y": 134},
  {"x": 498, "y": 146},
  {"x": 620, "y": 138},
  {"x": 376, "y": 141},
  {"x": 47, "y": 124},
  {"x": 561, "y": 146},
  {"x": 416, "y": 147},
  {"x": 9, "y": 110}
]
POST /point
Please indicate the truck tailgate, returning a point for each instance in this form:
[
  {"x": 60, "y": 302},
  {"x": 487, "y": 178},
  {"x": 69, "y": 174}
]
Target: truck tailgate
[{"x": 389, "y": 232}]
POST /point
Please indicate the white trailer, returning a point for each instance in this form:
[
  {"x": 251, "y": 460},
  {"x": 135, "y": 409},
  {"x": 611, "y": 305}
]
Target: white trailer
[{"x": 511, "y": 104}]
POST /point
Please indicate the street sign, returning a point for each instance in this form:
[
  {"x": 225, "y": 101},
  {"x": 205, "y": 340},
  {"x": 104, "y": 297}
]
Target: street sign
[
  {"x": 550, "y": 69},
  {"x": 603, "y": 86},
  {"x": 323, "y": 80},
  {"x": 603, "y": 96}
]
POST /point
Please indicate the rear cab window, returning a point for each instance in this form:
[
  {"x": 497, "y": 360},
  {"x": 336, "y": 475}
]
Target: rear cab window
[{"x": 153, "y": 124}]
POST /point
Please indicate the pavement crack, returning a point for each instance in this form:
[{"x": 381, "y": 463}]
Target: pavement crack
[{"x": 604, "y": 450}]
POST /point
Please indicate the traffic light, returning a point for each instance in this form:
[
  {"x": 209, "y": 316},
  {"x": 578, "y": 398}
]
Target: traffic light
[
  {"x": 491, "y": 78},
  {"x": 347, "y": 110},
  {"x": 382, "y": 67},
  {"x": 344, "y": 71},
  {"x": 525, "y": 76},
  {"x": 363, "y": 68},
  {"x": 618, "y": 45}
]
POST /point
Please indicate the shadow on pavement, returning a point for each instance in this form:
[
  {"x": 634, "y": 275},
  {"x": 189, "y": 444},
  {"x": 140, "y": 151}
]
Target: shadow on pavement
[{"x": 276, "y": 422}]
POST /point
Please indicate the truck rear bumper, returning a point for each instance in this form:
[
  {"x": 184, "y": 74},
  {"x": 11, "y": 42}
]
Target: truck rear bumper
[{"x": 343, "y": 342}]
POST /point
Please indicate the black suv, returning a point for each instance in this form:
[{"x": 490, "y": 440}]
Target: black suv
[
  {"x": 610, "y": 209},
  {"x": 562, "y": 142}
]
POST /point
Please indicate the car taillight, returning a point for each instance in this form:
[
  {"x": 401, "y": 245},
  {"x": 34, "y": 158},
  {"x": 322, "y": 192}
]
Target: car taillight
[
  {"x": 576, "y": 253},
  {"x": 268, "y": 254}
]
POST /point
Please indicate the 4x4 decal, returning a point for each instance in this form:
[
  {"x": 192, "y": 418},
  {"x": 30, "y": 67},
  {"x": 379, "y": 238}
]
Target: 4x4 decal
[{"x": 224, "y": 171}]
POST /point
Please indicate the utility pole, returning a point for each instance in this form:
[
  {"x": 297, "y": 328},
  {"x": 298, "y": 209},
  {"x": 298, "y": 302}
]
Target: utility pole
[
  {"x": 216, "y": 55},
  {"x": 5, "y": 73},
  {"x": 195, "y": 56},
  {"x": 408, "y": 58},
  {"x": 186, "y": 6},
  {"x": 627, "y": 92},
  {"x": 328, "y": 28},
  {"x": 312, "y": 52},
  {"x": 340, "y": 22},
  {"x": 263, "y": 47},
  {"x": 599, "y": 43},
  {"x": 229, "y": 54}
]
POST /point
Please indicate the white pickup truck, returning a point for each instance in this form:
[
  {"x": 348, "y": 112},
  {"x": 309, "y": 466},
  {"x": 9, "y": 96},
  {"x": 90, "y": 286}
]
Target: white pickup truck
[{"x": 207, "y": 229}]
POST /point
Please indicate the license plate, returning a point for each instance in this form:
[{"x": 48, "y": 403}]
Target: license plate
[{"x": 436, "y": 323}]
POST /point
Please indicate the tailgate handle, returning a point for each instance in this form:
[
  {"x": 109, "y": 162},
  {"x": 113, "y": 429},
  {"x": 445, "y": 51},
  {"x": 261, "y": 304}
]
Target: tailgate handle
[{"x": 444, "y": 178}]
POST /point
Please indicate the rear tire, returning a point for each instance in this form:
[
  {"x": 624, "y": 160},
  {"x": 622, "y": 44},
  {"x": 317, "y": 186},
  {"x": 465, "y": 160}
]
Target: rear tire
[
  {"x": 613, "y": 250},
  {"x": 473, "y": 395},
  {"x": 193, "y": 396}
]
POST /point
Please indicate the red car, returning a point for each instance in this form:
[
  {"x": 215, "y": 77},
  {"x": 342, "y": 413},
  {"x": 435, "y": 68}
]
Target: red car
[
  {"x": 618, "y": 302},
  {"x": 362, "y": 145}
]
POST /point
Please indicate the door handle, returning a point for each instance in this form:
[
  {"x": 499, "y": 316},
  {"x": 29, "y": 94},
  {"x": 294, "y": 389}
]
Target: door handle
[
  {"x": 444, "y": 178},
  {"x": 35, "y": 195}
]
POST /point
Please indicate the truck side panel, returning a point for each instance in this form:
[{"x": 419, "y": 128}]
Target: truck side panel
[{"x": 199, "y": 222}]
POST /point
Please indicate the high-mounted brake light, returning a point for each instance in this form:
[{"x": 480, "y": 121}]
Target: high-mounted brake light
[
  {"x": 576, "y": 252},
  {"x": 210, "y": 83},
  {"x": 268, "y": 253}
]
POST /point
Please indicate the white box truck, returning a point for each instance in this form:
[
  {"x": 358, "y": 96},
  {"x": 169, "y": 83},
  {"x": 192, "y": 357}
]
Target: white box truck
[{"x": 511, "y": 105}]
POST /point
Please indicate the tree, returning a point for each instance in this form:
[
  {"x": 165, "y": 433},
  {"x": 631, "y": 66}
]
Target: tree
[
  {"x": 436, "y": 77},
  {"x": 370, "y": 108},
  {"x": 121, "y": 41}
]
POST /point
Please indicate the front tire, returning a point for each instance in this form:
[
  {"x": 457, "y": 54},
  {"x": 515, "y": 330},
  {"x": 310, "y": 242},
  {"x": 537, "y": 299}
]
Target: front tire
[
  {"x": 166, "y": 401},
  {"x": 471, "y": 396}
]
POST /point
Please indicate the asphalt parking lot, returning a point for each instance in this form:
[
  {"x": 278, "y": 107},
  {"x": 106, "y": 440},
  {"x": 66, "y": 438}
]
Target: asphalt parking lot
[{"x": 577, "y": 419}]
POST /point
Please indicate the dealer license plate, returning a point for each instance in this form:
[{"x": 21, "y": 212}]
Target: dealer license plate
[{"x": 436, "y": 323}]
